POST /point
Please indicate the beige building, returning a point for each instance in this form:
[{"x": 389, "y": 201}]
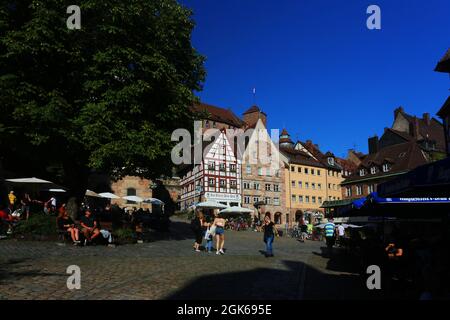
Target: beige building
[
  {"x": 263, "y": 187},
  {"x": 310, "y": 179}
]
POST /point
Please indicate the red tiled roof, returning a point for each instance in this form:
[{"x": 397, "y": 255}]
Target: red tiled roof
[
  {"x": 218, "y": 114},
  {"x": 403, "y": 157},
  {"x": 300, "y": 157},
  {"x": 434, "y": 130}
]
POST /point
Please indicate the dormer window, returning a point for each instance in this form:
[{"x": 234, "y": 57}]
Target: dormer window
[
  {"x": 373, "y": 170},
  {"x": 362, "y": 172},
  {"x": 331, "y": 161},
  {"x": 386, "y": 167}
]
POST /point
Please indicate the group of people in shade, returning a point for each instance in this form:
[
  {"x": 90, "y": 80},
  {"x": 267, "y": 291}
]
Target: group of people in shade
[
  {"x": 206, "y": 228},
  {"x": 88, "y": 226}
]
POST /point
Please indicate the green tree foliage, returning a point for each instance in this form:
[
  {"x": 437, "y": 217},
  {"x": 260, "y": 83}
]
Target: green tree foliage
[{"x": 106, "y": 97}]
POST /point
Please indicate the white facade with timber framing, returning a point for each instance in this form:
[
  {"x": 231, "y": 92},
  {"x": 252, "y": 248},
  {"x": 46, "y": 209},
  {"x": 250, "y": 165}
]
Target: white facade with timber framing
[{"x": 217, "y": 178}]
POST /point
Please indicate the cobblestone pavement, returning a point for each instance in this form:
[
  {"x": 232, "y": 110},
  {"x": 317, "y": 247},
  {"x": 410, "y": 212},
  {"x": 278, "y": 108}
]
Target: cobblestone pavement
[{"x": 168, "y": 268}]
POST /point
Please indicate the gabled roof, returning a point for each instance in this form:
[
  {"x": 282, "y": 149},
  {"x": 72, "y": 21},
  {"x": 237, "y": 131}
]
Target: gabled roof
[
  {"x": 323, "y": 158},
  {"x": 434, "y": 130},
  {"x": 445, "y": 109},
  {"x": 218, "y": 114},
  {"x": 300, "y": 157},
  {"x": 444, "y": 64},
  {"x": 403, "y": 157}
]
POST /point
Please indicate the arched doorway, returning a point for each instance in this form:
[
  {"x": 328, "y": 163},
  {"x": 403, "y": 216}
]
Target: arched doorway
[
  {"x": 277, "y": 218},
  {"x": 298, "y": 215},
  {"x": 268, "y": 214}
]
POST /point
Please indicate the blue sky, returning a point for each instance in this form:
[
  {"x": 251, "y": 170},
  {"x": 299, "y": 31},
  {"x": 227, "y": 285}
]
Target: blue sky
[{"x": 318, "y": 71}]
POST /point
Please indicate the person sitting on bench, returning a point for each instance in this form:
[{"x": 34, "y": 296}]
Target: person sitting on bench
[
  {"x": 66, "y": 224},
  {"x": 89, "y": 225}
]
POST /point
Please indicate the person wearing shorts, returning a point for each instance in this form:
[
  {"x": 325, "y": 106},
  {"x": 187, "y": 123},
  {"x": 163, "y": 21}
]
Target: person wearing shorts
[{"x": 219, "y": 223}]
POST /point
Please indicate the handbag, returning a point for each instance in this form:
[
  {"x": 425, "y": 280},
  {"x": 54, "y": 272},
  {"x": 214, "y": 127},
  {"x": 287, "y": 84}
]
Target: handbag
[{"x": 212, "y": 230}]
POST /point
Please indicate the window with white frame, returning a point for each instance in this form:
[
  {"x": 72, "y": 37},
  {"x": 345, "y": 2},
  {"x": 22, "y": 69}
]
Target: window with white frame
[
  {"x": 307, "y": 199},
  {"x": 313, "y": 186},
  {"x": 386, "y": 167},
  {"x": 276, "y": 188},
  {"x": 232, "y": 167},
  {"x": 319, "y": 186},
  {"x": 256, "y": 186},
  {"x": 306, "y": 185},
  {"x": 300, "y": 184},
  {"x": 248, "y": 169},
  {"x": 293, "y": 183},
  {"x": 373, "y": 170},
  {"x": 276, "y": 201},
  {"x": 320, "y": 200},
  {"x": 358, "y": 190},
  {"x": 255, "y": 199},
  {"x": 246, "y": 185},
  {"x": 233, "y": 184},
  {"x": 212, "y": 182},
  {"x": 313, "y": 199},
  {"x": 294, "y": 198},
  {"x": 268, "y": 187},
  {"x": 348, "y": 191},
  {"x": 223, "y": 183},
  {"x": 300, "y": 199},
  {"x": 246, "y": 199},
  {"x": 260, "y": 172},
  {"x": 370, "y": 188},
  {"x": 267, "y": 200},
  {"x": 362, "y": 172},
  {"x": 211, "y": 165}
]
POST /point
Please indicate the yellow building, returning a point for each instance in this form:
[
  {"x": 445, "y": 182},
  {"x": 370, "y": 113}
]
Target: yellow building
[{"x": 310, "y": 178}]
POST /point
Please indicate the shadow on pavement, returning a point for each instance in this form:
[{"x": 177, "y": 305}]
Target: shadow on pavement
[
  {"x": 274, "y": 284},
  {"x": 6, "y": 274}
]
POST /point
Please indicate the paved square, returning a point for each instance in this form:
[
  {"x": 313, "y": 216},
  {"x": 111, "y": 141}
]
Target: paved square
[{"x": 170, "y": 269}]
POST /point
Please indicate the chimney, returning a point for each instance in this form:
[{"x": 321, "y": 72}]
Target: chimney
[
  {"x": 414, "y": 128},
  {"x": 426, "y": 118},
  {"x": 397, "y": 111},
  {"x": 373, "y": 144}
]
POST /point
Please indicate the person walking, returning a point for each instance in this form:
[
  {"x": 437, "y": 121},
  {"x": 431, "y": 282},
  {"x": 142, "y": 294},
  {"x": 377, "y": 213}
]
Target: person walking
[
  {"x": 269, "y": 235},
  {"x": 330, "y": 235},
  {"x": 197, "y": 227},
  {"x": 341, "y": 234},
  {"x": 219, "y": 224}
]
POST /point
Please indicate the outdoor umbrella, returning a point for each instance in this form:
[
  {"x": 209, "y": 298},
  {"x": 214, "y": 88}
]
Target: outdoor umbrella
[
  {"x": 350, "y": 226},
  {"x": 56, "y": 190},
  {"x": 133, "y": 198},
  {"x": 154, "y": 201},
  {"x": 90, "y": 193},
  {"x": 236, "y": 210},
  {"x": 34, "y": 184},
  {"x": 108, "y": 195},
  {"x": 211, "y": 205}
]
